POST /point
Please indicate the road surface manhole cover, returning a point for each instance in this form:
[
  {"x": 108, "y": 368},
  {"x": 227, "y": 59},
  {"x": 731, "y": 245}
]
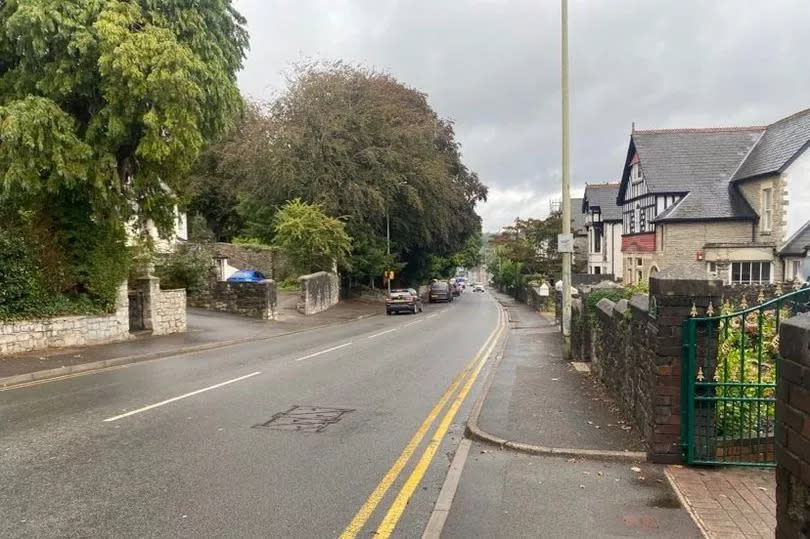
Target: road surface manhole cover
[{"x": 305, "y": 418}]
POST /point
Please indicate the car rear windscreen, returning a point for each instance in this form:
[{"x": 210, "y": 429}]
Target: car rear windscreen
[{"x": 438, "y": 286}]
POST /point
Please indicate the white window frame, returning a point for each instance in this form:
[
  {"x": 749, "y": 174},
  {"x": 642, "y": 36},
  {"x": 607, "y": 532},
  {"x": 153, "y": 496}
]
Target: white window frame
[
  {"x": 750, "y": 272},
  {"x": 766, "y": 208},
  {"x": 709, "y": 270}
]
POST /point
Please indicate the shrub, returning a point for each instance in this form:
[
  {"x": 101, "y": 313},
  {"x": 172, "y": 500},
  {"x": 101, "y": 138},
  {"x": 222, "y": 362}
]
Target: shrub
[{"x": 186, "y": 267}]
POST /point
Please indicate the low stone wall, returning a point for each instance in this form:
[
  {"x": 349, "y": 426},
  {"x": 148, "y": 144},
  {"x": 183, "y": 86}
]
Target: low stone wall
[
  {"x": 793, "y": 419},
  {"x": 21, "y": 336},
  {"x": 264, "y": 258},
  {"x": 635, "y": 349},
  {"x": 318, "y": 292},
  {"x": 624, "y": 360},
  {"x": 254, "y": 300},
  {"x": 170, "y": 314}
]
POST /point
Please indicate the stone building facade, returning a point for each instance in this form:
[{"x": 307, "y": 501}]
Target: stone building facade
[{"x": 725, "y": 200}]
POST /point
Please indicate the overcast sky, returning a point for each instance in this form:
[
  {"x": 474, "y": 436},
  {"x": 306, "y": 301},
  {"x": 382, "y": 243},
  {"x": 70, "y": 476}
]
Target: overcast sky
[{"x": 493, "y": 67}]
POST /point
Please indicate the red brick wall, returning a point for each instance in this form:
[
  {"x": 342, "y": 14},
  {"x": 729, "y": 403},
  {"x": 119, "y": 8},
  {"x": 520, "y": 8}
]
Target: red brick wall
[{"x": 639, "y": 243}]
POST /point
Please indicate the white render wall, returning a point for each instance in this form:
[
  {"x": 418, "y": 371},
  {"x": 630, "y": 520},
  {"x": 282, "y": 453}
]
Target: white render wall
[{"x": 797, "y": 178}]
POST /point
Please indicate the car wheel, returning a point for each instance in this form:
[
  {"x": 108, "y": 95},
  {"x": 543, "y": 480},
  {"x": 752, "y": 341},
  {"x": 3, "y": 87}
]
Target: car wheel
[{"x": 388, "y": 313}]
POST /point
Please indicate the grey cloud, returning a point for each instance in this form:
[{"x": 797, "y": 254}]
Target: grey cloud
[{"x": 493, "y": 67}]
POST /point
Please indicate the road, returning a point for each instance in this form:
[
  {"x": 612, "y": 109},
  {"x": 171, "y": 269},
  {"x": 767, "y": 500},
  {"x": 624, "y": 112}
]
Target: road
[{"x": 175, "y": 447}]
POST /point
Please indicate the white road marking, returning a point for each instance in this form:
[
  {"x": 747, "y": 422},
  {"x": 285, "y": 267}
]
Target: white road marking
[
  {"x": 432, "y": 315},
  {"x": 381, "y": 333},
  {"x": 447, "y": 493},
  {"x": 325, "y": 351},
  {"x": 414, "y": 322},
  {"x": 173, "y": 399}
]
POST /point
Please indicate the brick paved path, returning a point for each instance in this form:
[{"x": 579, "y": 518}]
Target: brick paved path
[{"x": 728, "y": 502}]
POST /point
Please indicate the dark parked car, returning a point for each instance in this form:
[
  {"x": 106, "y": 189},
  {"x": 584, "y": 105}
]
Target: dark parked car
[
  {"x": 247, "y": 276},
  {"x": 440, "y": 291},
  {"x": 404, "y": 300}
]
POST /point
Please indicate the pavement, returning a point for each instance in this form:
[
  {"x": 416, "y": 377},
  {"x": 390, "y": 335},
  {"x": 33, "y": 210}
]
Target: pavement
[
  {"x": 728, "y": 502},
  {"x": 209, "y": 444},
  {"x": 594, "y": 489},
  {"x": 538, "y": 399},
  {"x": 206, "y": 329}
]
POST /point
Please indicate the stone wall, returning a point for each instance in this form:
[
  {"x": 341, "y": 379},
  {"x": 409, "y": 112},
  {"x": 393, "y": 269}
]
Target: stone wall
[
  {"x": 635, "y": 348},
  {"x": 21, "y": 336},
  {"x": 682, "y": 241},
  {"x": 160, "y": 311},
  {"x": 264, "y": 258},
  {"x": 170, "y": 314},
  {"x": 318, "y": 292},
  {"x": 624, "y": 359},
  {"x": 254, "y": 300},
  {"x": 793, "y": 429}
]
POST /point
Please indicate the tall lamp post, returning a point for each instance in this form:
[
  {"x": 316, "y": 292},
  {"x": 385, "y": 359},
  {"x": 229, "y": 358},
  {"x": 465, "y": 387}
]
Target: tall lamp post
[
  {"x": 388, "y": 244},
  {"x": 566, "y": 180}
]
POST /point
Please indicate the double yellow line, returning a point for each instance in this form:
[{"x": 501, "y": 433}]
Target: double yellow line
[{"x": 389, "y": 522}]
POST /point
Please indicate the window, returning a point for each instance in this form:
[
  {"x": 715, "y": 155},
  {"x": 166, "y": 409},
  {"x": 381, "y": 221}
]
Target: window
[
  {"x": 635, "y": 173},
  {"x": 750, "y": 272},
  {"x": 767, "y": 209},
  {"x": 639, "y": 262},
  {"x": 637, "y": 216},
  {"x": 597, "y": 241},
  {"x": 796, "y": 267},
  {"x": 711, "y": 267},
  {"x": 643, "y": 221},
  {"x": 597, "y": 270}
]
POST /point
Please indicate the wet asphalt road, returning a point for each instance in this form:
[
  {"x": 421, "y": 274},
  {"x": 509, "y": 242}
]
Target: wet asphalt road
[{"x": 197, "y": 467}]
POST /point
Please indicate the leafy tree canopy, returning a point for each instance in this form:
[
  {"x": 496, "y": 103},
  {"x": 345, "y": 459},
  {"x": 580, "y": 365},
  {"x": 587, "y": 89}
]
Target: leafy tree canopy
[
  {"x": 363, "y": 146},
  {"x": 313, "y": 240},
  {"x": 113, "y": 98}
]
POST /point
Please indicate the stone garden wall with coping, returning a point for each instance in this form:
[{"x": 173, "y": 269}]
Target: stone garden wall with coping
[
  {"x": 254, "y": 300},
  {"x": 20, "y": 336},
  {"x": 635, "y": 350},
  {"x": 318, "y": 292}
]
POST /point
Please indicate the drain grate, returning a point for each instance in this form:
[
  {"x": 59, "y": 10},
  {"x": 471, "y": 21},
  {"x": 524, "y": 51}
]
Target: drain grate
[{"x": 305, "y": 418}]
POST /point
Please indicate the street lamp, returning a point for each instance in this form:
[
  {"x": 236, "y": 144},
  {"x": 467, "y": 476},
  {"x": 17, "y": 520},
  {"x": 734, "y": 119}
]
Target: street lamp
[{"x": 566, "y": 195}]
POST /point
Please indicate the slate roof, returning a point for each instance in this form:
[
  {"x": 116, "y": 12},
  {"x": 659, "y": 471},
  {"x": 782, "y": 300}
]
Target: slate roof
[
  {"x": 778, "y": 146},
  {"x": 707, "y": 163},
  {"x": 798, "y": 243},
  {"x": 698, "y": 161},
  {"x": 603, "y": 196},
  {"x": 577, "y": 217}
]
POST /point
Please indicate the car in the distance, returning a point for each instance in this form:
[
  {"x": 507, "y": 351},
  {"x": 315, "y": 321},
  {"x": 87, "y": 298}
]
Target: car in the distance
[
  {"x": 247, "y": 276},
  {"x": 403, "y": 300},
  {"x": 478, "y": 287},
  {"x": 440, "y": 291}
]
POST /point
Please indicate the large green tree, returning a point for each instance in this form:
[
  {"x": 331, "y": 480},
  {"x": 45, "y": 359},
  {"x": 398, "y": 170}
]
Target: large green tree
[
  {"x": 104, "y": 107},
  {"x": 365, "y": 147},
  {"x": 113, "y": 98}
]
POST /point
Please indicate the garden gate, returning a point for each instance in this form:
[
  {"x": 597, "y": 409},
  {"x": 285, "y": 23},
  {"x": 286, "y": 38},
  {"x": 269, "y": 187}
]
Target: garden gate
[{"x": 728, "y": 380}]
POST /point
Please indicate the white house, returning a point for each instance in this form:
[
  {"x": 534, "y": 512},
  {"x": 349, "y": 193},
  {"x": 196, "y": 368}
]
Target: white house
[{"x": 603, "y": 222}]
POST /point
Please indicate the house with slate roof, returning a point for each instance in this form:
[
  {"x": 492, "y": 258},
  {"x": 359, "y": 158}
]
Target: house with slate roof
[
  {"x": 603, "y": 223},
  {"x": 721, "y": 199}
]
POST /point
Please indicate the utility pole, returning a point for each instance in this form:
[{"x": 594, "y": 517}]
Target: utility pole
[
  {"x": 388, "y": 245},
  {"x": 566, "y": 195}
]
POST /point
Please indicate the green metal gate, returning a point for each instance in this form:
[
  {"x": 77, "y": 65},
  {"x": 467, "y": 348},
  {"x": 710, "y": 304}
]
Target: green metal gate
[{"x": 728, "y": 381}]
